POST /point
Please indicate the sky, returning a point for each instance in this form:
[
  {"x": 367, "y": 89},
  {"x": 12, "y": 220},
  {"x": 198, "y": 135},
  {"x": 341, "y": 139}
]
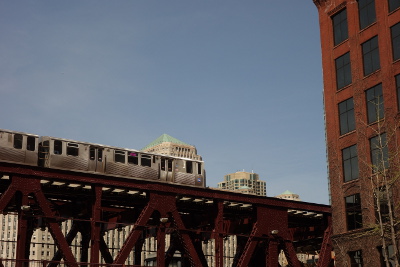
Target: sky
[{"x": 240, "y": 80}]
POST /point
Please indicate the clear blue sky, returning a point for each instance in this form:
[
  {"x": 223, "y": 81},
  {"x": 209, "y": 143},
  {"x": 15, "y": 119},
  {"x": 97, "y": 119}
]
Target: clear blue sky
[{"x": 240, "y": 80}]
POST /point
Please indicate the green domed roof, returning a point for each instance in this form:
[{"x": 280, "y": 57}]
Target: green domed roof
[
  {"x": 287, "y": 192},
  {"x": 163, "y": 139},
  {"x": 244, "y": 187}
]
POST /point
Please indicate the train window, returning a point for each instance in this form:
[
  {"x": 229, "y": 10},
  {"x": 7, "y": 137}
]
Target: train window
[
  {"x": 30, "y": 144},
  {"x": 57, "y": 147},
  {"x": 189, "y": 167},
  {"x": 133, "y": 158},
  {"x": 163, "y": 164},
  {"x": 170, "y": 165},
  {"x": 72, "y": 149},
  {"x": 146, "y": 160},
  {"x": 166, "y": 163},
  {"x": 198, "y": 168},
  {"x": 18, "y": 141},
  {"x": 92, "y": 153},
  {"x": 100, "y": 154},
  {"x": 119, "y": 156}
]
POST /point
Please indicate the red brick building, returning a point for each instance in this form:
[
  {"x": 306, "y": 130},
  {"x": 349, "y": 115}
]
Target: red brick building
[{"x": 360, "y": 42}]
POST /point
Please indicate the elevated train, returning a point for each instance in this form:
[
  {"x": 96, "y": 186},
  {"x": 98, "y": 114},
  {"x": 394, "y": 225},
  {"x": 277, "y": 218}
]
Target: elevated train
[{"x": 59, "y": 153}]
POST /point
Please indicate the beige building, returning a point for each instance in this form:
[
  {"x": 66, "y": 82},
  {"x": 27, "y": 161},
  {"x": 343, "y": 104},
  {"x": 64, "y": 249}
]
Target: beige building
[
  {"x": 168, "y": 145},
  {"x": 289, "y": 196},
  {"x": 244, "y": 182},
  {"x": 43, "y": 247}
]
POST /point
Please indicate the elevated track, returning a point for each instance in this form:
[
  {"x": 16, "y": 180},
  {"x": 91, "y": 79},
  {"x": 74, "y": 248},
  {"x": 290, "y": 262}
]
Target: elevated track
[{"x": 190, "y": 216}]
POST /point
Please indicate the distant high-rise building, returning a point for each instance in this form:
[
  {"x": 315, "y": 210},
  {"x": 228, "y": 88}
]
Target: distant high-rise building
[
  {"x": 289, "y": 196},
  {"x": 244, "y": 182},
  {"x": 168, "y": 145}
]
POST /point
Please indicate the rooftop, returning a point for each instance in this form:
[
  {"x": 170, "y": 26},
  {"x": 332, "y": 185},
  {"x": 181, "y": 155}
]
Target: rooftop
[{"x": 164, "y": 138}]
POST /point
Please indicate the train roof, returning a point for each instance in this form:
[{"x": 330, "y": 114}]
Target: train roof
[{"x": 16, "y": 132}]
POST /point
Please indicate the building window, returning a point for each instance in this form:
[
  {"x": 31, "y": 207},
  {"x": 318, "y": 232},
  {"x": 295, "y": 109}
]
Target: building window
[
  {"x": 353, "y": 212},
  {"x": 379, "y": 152},
  {"x": 370, "y": 52},
  {"x": 340, "y": 30},
  {"x": 382, "y": 201},
  {"x": 393, "y": 4},
  {"x": 343, "y": 71},
  {"x": 397, "y": 77},
  {"x": 390, "y": 254},
  {"x": 355, "y": 258},
  {"x": 350, "y": 163},
  {"x": 346, "y": 116},
  {"x": 375, "y": 108},
  {"x": 366, "y": 11},
  {"x": 395, "y": 30}
]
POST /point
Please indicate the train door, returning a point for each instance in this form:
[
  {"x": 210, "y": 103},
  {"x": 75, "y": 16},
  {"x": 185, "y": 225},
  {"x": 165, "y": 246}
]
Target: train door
[
  {"x": 96, "y": 161},
  {"x": 166, "y": 170},
  {"x": 44, "y": 150},
  {"x": 31, "y": 150}
]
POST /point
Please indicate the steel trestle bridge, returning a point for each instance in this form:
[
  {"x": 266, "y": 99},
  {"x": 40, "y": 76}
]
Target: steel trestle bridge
[{"x": 263, "y": 226}]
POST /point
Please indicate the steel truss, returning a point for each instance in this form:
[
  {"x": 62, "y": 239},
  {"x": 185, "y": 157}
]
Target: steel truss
[{"x": 96, "y": 203}]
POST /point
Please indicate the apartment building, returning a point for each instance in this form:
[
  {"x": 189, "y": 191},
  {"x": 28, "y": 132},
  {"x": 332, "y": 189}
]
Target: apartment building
[{"x": 360, "y": 43}]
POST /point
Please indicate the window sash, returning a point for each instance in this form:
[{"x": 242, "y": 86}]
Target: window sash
[
  {"x": 395, "y": 30},
  {"x": 379, "y": 152},
  {"x": 375, "y": 103},
  {"x": 367, "y": 14},
  {"x": 353, "y": 212},
  {"x": 346, "y": 116},
  {"x": 350, "y": 163},
  {"x": 393, "y": 5},
  {"x": 371, "y": 58},
  {"x": 343, "y": 71},
  {"x": 340, "y": 28}
]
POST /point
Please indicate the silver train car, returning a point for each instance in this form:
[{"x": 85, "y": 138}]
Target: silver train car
[{"x": 59, "y": 153}]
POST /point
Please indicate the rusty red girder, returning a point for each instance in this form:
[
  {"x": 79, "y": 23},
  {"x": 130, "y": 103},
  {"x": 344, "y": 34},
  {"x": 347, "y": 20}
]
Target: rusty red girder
[{"x": 190, "y": 215}]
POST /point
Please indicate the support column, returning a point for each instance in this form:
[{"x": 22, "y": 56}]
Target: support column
[
  {"x": 55, "y": 230},
  {"x": 22, "y": 254},
  {"x": 161, "y": 246},
  {"x": 95, "y": 226},
  {"x": 326, "y": 246},
  {"x": 273, "y": 254},
  {"x": 219, "y": 241},
  {"x": 290, "y": 254},
  {"x": 134, "y": 235}
]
